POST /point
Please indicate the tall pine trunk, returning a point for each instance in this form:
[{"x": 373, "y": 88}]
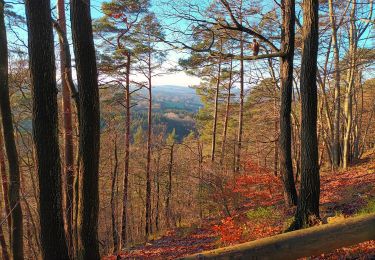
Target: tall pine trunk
[
  {"x": 226, "y": 118},
  {"x": 285, "y": 139},
  {"x": 168, "y": 211},
  {"x": 68, "y": 129},
  {"x": 148, "y": 164},
  {"x": 4, "y": 182},
  {"x": 113, "y": 201},
  {"x": 337, "y": 102},
  {"x": 240, "y": 112},
  {"x": 89, "y": 130},
  {"x": 45, "y": 128},
  {"x": 4, "y": 248},
  {"x": 216, "y": 105},
  {"x": 308, "y": 204},
  {"x": 124, "y": 224},
  {"x": 16, "y": 230}
]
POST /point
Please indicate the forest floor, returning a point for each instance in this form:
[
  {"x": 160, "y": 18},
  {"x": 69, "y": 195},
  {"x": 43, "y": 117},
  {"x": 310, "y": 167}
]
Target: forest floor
[{"x": 343, "y": 194}]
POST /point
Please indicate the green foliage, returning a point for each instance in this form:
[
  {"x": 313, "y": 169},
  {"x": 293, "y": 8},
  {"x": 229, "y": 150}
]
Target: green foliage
[
  {"x": 288, "y": 222},
  {"x": 139, "y": 136},
  {"x": 370, "y": 208},
  {"x": 171, "y": 139},
  {"x": 262, "y": 213}
]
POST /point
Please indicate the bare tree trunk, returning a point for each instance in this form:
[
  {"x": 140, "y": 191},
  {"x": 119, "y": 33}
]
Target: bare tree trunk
[
  {"x": 68, "y": 130},
  {"x": 214, "y": 126},
  {"x": 148, "y": 164},
  {"x": 337, "y": 102},
  {"x": 125, "y": 223},
  {"x": 240, "y": 113},
  {"x": 157, "y": 180},
  {"x": 349, "y": 88},
  {"x": 308, "y": 204},
  {"x": 115, "y": 235},
  {"x": 4, "y": 248},
  {"x": 89, "y": 129},
  {"x": 285, "y": 139},
  {"x": 4, "y": 179},
  {"x": 169, "y": 191},
  {"x": 226, "y": 119},
  {"x": 10, "y": 146},
  {"x": 45, "y": 128},
  {"x": 276, "y": 129}
]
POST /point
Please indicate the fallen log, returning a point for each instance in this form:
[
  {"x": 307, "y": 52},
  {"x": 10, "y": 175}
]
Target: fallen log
[{"x": 301, "y": 243}]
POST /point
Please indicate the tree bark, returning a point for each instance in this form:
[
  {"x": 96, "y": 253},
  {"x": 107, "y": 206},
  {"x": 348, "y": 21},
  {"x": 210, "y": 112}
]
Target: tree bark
[
  {"x": 337, "y": 102},
  {"x": 348, "y": 106},
  {"x": 4, "y": 183},
  {"x": 226, "y": 119},
  {"x": 68, "y": 129},
  {"x": 240, "y": 112},
  {"x": 216, "y": 104},
  {"x": 89, "y": 129},
  {"x": 16, "y": 230},
  {"x": 169, "y": 191},
  {"x": 124, "y": 224},
  {"x": 45, "y": 128},
  {"x": 148, "y": 164},
  {"x": 115, "y": 235},
  {"x": 308, "y": 204},
  {"x": 286, "y": 67},
  {"x": 4, "y": 248}
]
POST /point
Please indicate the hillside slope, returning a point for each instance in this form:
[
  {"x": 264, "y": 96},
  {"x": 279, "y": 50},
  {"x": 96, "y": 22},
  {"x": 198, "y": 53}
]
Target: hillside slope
[{"x": 343, "y": 194}]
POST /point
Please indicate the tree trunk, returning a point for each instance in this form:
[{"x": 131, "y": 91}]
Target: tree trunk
[
  {"x": 157, "y": 180},
  {"x": 16, "y": 230},
  {"x": 214, "y": 125},
  {"x": 89, "y": 129},
  {"x": 169, "y": 191},
  {"x": 45, "y": 128},
  {"x": 348, "y": 106},
  {"x": 148, "y": 164},
  {"x": 68, "y": 130},
  {"x": 124, "y": 224},
  {"x": 308, "y": 204},
  {"x": 4, "y": 183},
  {"x": 4, "y": 248},
  {"x": 240, "y": 113},
  {"x": 286, "y": 73},
  {"x": 115, "y": 236},
  {"x": 337, "y": 102},
  {"x": 226, "y": 119}
]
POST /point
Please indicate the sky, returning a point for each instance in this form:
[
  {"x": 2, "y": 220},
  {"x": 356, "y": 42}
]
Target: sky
[{"x": 172, "y": 78}]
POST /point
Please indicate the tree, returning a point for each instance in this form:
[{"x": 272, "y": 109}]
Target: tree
[
  {"x": 10, "y": 147},
  {"x": 68, "y": 127},
  {"x": 349, "y": 90},
  {"x": 117, "y": 27},
  {"x": 45, "y": 128},
  {"x": 337, "y": 101},
  {"x": 150, "y": 57},
  {"x": 286, "y": 74},
  {"x": 89, "y": 129},
  {"x": 308, "y": 204}
]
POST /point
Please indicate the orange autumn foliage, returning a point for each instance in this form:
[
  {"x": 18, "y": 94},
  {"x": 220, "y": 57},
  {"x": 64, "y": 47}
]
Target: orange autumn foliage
[
  {"x": 258, "y": 185},
  {"x": 229, "y": 231}
]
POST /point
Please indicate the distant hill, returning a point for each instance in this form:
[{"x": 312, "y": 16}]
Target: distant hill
[
  {"x": 173, "y": 106},
  {"x": 167, "y": 97}
]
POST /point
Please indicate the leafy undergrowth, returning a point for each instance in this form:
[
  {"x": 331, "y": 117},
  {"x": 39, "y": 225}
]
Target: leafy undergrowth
[{"x": 343, "y": 194}]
